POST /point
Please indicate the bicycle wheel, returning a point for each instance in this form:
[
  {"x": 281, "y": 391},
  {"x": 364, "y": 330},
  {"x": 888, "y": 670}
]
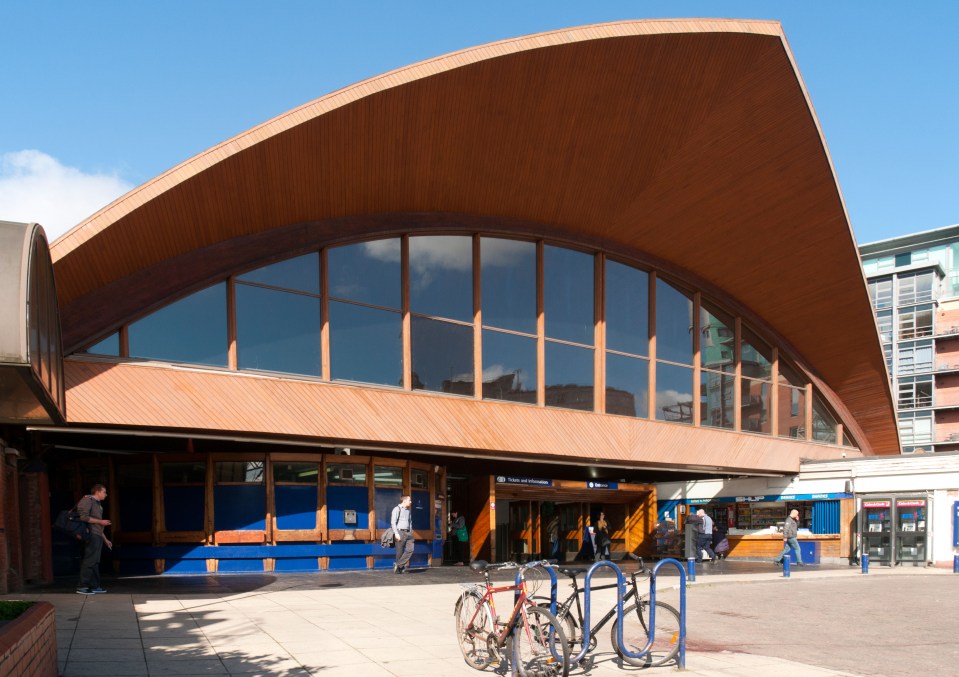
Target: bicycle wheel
[
  {"x": 539, "y": 647},
  {"x": 636, "y": 634},
  {"x": 474, "y": 623},
  {"x": 567, "y": 619}
]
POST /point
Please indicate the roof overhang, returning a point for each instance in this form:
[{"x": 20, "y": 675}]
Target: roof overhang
[
  {"x": 692, "y": 142},
  {"x": 31, "y": 361}
]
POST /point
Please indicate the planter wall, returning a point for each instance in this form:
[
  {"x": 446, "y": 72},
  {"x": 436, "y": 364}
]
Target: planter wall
[{"x": 28, "y": 644}]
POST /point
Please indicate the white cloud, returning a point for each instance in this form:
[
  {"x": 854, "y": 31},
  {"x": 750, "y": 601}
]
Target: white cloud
[{"x": 35, "y": 187}]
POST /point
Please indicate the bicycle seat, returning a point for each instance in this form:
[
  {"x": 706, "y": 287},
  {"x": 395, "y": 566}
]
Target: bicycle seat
[
  {"x": 572, "y": 572},
  {"x": 480, "y": 565}
]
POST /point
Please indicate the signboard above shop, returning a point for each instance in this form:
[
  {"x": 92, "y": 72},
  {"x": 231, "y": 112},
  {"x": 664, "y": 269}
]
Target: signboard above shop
[
  {"x": 769, "y": 498},
  {"x": 528, "y": 481}
]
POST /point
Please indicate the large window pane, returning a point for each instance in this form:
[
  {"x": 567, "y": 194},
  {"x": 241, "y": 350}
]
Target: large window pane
[
  {"x": 792, "y": 412},
  {"x": 627, "y": 309},
  {"x": 674, "y": 324},
  {"x": 191, "y": 330},
  {"x": 368, "y": 272},
  {"x": 823, "y": 422},
  {"x": 108, "y": 346},
  {"x": 674, "y": 393},
  {"x": 442, "y": 356},
  {"x": 508, "y": 284},
  {"x": 569, "y": 376},
  {"x": 568, "y": 295},
  {"x": 627, "y": 385},
  {"x": 277, "y": 330},
  {"x": 441, "y": 276},
  {"x": 717, "y": 339},
  {"x": 365, "y": 344},
  {"x": 789, "y": 376},
  {"x": 509, "y": 367},
  {"x": 755, "y": 406},
  {"x": 757, "y": 356},
  {"x": 295, "y": 472},
  {"x": 301, "y": 273},
  {"x": 716, "y": 401}
]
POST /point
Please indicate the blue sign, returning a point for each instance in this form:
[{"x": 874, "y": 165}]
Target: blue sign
[
  {"x": 955, "y": 524},
  {"x": 602, "y": 485},
  {"x": 768, "y": 498},
  {"x": 530, "y": 481}
]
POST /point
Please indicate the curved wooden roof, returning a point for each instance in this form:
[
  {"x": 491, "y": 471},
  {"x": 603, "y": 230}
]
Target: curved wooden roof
[{"x": 692, "y": 141}]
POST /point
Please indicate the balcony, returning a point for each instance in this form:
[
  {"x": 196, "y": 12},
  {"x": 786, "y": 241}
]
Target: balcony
[{"x": 944, "y": 333}]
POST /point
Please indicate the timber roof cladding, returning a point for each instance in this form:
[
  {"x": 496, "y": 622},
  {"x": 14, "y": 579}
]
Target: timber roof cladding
[{"x": 691, "y": 143}]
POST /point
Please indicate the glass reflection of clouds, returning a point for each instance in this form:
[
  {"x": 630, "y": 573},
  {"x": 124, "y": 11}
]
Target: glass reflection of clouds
[{"x": 278, "y": 328}]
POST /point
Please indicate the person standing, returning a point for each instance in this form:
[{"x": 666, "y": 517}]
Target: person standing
[
  {"x": 705, "y": 538},
  {"x": 91, "y": 512},
  {"x": 552, "y": 527},
  {"x": 460, "y": 536},
  {"x": 602, "y": 537},
  {"x": 790, "y": 539},
  {"x": 401, "y": 521}
]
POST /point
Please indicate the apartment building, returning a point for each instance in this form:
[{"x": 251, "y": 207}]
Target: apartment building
[{"x": 914, "y": 289}]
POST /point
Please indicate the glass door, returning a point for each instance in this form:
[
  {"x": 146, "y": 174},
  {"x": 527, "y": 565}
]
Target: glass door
[
  {"x": 876, "y": 530},
  {"x": 520, "y": 531}
]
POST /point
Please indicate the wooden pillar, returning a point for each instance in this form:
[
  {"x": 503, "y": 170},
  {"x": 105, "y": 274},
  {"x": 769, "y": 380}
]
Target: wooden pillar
[{"x": 651, "y": 401}]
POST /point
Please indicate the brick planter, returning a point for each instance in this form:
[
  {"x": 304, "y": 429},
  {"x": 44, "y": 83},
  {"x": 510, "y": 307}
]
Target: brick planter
[{"x": 28, "y": 643}]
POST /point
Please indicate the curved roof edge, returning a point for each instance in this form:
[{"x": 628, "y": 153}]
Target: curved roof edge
[{"x": 142, "y": 194}]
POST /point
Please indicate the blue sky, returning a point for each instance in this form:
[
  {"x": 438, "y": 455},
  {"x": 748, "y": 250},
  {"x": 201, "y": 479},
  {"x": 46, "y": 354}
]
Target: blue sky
[{"x": 102, "y": 96}]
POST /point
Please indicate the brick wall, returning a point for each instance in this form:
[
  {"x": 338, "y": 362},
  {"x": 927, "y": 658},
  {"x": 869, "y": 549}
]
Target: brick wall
[
  {"x": 34, "y": 529},
  {"x": 28, "y": 644}
]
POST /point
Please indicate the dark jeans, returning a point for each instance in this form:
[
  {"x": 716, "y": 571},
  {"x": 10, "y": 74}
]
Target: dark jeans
[
  {"x": 404, "y": 548},
  {"x": 461, "y": 551},
  {"x": 90, "y": 564},
  {"x": 705, "y": 543}
]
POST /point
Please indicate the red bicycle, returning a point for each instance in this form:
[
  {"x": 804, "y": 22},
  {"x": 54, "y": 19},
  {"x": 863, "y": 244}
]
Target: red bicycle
[{"x": 531, "y": 635}]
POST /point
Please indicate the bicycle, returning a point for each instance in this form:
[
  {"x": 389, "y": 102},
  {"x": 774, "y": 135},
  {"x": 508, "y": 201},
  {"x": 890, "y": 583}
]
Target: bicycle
[
  {"x": 531, "y": 634},
  {"x": 635, "y": 625}
]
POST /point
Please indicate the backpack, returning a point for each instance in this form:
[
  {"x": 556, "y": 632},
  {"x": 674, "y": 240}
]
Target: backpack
[
  {"x": 68, "y": 521},
  {"x": 386, "y": 540}
]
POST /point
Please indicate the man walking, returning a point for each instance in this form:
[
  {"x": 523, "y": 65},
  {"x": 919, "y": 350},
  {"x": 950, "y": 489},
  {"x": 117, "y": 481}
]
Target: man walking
[
  {"x": 91, "y": 512},
  {"x": 790, "y": 540},
  {"x": 705, "y": 538},
  {"x": 401, "y": 521}
]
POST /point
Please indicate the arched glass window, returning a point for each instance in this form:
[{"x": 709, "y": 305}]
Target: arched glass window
[
  {"x": 366, "y": 329},
  {"x": 792, "y": 402},
  {"x": 717, "y": 357},
  {"x": 278, "y": 317},
  {"x": 509, "y": 367},
  {"x": 627, "y": 340},
  {"x": 508, "y": 284},
  {"x": 756, "y": 360},
  {"x": 568, "y": 295},
  {"x": 823, "y": 422},
  {"x": 191, "y": 330},
  {"x": 441, "y": 300},
  {"x": 674, "y": 324}
]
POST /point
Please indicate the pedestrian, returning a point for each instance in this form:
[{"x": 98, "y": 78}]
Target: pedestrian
[
  {"x": 91, "y": 512},
  {"x": 790, "y": 540},
  {"x": 460, "y": 537},
  {"x": 705, "y": 538},
  {"x": 602, "y": 537},
  {"x": 552, "y": 527},
  {"x": 401, "y": 521}
]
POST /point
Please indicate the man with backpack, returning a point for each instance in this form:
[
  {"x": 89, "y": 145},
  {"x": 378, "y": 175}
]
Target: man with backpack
[
  {"x": 401, "y": 521},
  {"x": 91, "y": 512}
]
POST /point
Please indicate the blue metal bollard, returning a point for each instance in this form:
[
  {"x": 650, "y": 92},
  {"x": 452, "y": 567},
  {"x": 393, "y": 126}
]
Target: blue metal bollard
[
  {"x": 786, "y": 567},
  {"x": 955, "y": 564},
  {"x": 691, "y": 569},
  {"x": 865, "y": 563}
]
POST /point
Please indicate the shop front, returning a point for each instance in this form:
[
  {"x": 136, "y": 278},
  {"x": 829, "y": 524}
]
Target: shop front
[{"x": 753, "y": 524}]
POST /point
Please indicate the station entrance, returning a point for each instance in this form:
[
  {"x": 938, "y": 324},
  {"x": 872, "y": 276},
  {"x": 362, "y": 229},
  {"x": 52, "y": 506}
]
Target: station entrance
[{"x": 522, "y": 519}]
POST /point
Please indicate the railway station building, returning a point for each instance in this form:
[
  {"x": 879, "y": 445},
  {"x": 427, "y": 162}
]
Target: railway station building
[{"x": 527, "y": 280}]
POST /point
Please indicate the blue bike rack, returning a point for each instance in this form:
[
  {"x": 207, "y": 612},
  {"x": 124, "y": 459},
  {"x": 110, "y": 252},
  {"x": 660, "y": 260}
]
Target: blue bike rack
[
  {"x": 681, "y": 659},
  {"x": 620, "y": 594}
]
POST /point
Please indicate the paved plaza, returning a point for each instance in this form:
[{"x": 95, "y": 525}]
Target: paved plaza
[{"x": 744, "y": 619}]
